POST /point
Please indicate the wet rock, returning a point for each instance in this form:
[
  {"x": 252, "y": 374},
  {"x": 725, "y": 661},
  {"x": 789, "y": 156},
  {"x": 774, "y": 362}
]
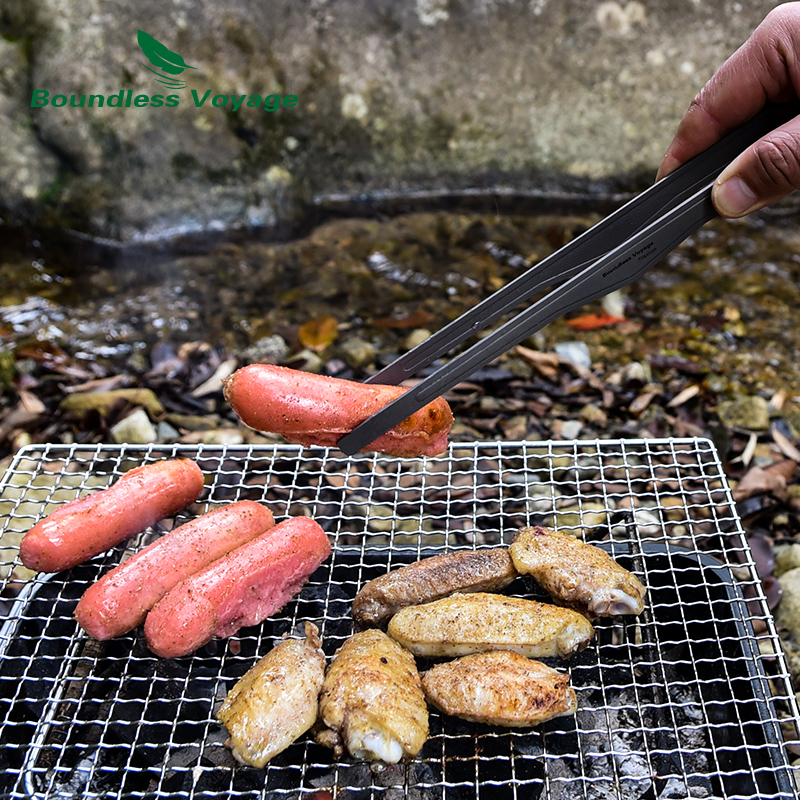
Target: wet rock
[
  {"x": 105, "y": 402},
  {"x": 267, "y": 350},
  {"x": 750, "y": 413},
  {"x": 574, "y": 518},
  {"x": 570, "y": 429},
  {"x": 357, "y": 353},
  {"x": 417, "y": 336},
  {"x": 136, "y": 428},
  {"x": 787, "y": 557},
  {"x": 576, "y": 352},
  {"x": 788, "y": 612},
  {"x": 224, "y": 436}
]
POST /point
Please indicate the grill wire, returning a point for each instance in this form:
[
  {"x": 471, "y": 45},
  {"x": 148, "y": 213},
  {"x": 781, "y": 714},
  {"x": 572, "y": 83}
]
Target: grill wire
[{"x": 691, "y": 700}]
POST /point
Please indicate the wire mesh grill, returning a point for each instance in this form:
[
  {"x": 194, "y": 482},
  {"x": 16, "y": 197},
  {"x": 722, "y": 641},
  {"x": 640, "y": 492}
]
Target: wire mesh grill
[{"x": 692, "y": 699}]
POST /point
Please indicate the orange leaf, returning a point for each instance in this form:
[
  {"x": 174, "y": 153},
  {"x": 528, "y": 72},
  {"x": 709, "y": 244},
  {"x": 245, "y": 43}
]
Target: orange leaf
[
  {"x": 590, "y": 322},
  {"x": 317, "y": 334}
]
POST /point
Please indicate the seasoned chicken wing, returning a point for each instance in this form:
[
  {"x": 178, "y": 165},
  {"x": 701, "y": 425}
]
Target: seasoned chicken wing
[
  {"x": 499, "y": 688},
  {"x": 276, "y": 701},
  {"x": 372, "y": 704},
  {"x": 473, "y": 623},
  {"x": 431, "y": 578},
  {"x": 577, "y": 574}
]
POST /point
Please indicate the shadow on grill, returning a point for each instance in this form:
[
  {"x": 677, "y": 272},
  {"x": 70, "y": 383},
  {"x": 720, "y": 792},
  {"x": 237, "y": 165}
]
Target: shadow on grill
[{"x": 670, "y": 705}]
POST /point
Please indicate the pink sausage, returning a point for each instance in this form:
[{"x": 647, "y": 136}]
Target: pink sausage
[
  {"x": 119, "y": 601},
  {"x": 313, "y": 409},
  {"x": 90, "y": 525},
  {"x": 242, "y": 588}
]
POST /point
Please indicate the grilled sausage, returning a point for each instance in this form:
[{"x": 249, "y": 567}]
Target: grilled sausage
[
  {"x": 313, "y": 409},
  {"x": 119, "y": 601},
  {"x": 242, "y": 588},
  {"x": 90, "y": 525}
]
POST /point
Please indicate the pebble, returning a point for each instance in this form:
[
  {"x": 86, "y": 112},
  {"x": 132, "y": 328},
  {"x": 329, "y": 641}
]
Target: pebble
[
  {"x": 571, "y": 428},
  {"x": 417, "y": 336},
  {"x": 787, "y": 557},
  {"x": 576, "y": 352},
  {"x": 357, "y": 353},
  {"x": 788, "y": 612},
  {"x": 750, "y": 413},
  {"x": 573, "y": 518},
  {"x": 136, "y": 428},
  {"x": 267, "y": 350}
]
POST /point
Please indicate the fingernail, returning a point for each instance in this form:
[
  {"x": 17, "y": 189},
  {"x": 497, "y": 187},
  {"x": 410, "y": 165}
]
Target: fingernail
[{"x": 733, "y": 197}]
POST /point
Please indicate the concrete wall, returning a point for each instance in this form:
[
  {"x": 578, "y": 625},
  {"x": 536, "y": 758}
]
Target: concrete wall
[{"x": 533, "y": 95}]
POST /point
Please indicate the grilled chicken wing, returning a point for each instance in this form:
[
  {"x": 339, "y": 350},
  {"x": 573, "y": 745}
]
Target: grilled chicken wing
[
  {"x": 473, "y": 623},
  {"x": 431, "y": 578},
  {"x": 577, "y": 574},
  {"x": 372, "y": 702},
  {"x": 499, "y": 688},
  {"x": 276, "y": 701}
]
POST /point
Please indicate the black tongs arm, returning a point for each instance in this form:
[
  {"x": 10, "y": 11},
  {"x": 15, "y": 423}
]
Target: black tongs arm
[{"x": 632, "y": 239}]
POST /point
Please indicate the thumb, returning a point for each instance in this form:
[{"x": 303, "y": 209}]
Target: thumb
[{"x": 767, "y": 171}]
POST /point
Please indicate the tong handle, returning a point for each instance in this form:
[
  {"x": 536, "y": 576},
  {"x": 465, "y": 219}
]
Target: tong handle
[{"x": 600, "y": 238}]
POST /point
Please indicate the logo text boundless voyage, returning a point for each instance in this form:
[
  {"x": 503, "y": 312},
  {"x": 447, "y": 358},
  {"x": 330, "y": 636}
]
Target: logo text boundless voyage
[{"x": 169, "y": 66}]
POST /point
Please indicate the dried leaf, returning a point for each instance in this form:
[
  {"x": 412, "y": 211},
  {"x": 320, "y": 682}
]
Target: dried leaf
[
  {"x": 686, "y": 394},
  {"x": 544, "y": 363},
  {"x": 419, "y": 319},
  {"x": 317, "y": 334},
  {"x": 784, "y": 445},
  {"x": 760, "y": 481},
  {"x": 590, "y": 322},
  {"x": 640, "y": 403}
]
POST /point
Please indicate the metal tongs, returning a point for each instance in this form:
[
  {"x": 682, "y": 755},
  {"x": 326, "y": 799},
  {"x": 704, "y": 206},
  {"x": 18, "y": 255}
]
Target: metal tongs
[{"x": 611, "y": 254}]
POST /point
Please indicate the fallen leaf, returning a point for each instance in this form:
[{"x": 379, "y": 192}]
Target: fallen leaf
[
  {"x": 317, "y": 334},
  {"x": 686, "y": 394},
  {"x": 544, "y": 363},
  {"x": 772, "y": 480},
  {"x": 784, "y": 445},
  {"x": 418, "y": 319},
  {"x": 590, "y": 322},
  {"x": 640, "y": 403},
  {"x": 104, "y": 402}
]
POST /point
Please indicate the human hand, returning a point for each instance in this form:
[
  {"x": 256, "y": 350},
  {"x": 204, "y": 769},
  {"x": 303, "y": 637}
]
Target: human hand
[{"x": 765, "y": 68}]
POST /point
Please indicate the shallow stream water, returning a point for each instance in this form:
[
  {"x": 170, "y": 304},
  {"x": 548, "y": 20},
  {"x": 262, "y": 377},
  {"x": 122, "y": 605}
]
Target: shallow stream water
[{"x": 725, "y": 300}]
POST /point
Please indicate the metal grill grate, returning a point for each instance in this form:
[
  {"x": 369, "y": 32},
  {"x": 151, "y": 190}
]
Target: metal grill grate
[{"x": 691, "y": 700}]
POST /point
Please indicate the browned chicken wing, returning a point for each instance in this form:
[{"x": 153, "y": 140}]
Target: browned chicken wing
[
  {"x": 499, "y": 688},
  {"x": 431, "y": 578},
  {"x": 372, "y": 704},
  {"x": 276, "y": 701},
  {"x": 473, "y": 623},
  {"x": 577, "y": 574}
]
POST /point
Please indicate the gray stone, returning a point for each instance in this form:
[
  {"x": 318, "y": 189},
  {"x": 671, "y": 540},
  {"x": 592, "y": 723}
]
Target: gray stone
[
  {"x": 136, "y": 428},
  {"x": 787, "y": 557},
  {"x": 267, "y": 350},
  {"x": 787, "y": 614},
  {"x": 357, "y": 353},
  {"x": 750, "y": 413},
  {"x": 576, "y": 352}
]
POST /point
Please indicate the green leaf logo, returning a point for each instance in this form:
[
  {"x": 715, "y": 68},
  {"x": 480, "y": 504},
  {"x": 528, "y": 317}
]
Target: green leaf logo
[{"x": 159, "y": 55}]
